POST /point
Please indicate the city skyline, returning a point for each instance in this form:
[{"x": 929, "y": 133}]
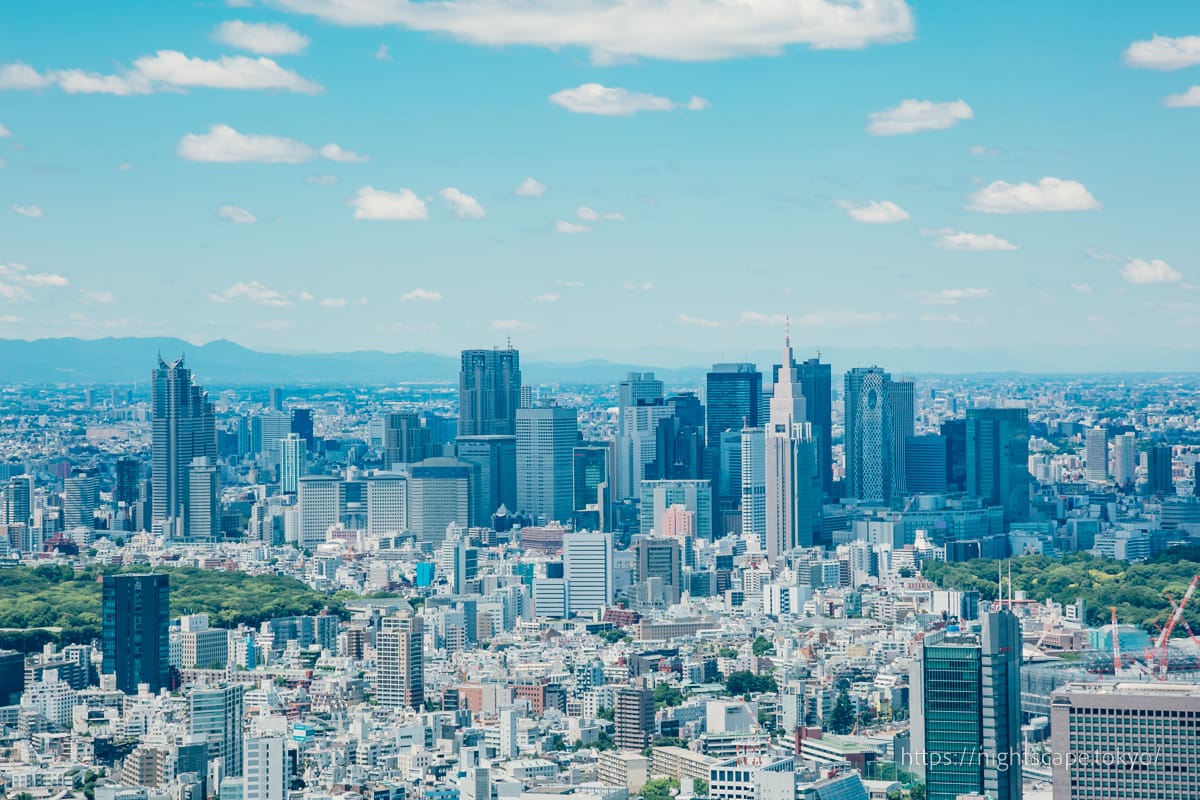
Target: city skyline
[{"x": 723, "y": 178}]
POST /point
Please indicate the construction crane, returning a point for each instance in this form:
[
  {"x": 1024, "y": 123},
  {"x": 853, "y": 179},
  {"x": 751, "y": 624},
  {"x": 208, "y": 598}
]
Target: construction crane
[
  {"x": 1116, "y": 643},
  {"x": 1163, "y": 661}
]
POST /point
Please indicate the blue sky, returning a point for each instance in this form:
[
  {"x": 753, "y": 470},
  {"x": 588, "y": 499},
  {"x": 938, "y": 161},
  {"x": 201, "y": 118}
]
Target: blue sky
[{"x": 964, "y": 174}]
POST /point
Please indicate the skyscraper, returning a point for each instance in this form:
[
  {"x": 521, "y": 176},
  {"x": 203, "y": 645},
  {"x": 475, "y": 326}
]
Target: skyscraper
[
  {"x": 405, "y": 440},
  {"x": 634, "y": 718},
  {"x": 1096, "y": 455},
  {"x": 302, "y": 426},
  {"x": 998, "y": 459},
  {"x": 81, "y": 498},
  {"x": 791, "y": 474},
  {"x": 441, "y": 491},
  {"x": 637, "y": 443},
  {"x": 204, "y": 501},
  {"x": 903, "y": 396},
  {"x": 925, "y": 464},
  {"x": 754, "y": 485},
  {"x": 679, "y": 441},
  {"x": 387, "y": 503},
  {"x": 1160, "y": 476},
  {"x": 816, "y": 382},
  {"x": 215, "y": 717},
  {"x": 954, "y": 431},
  {"x": 320, "y": 501},
  {"x": 489, "y": 392},
  {"x": 135, "y": 612},
  {"x": 128, "y": 475},
  {"x": 291, "y": 463},
  {"x": 588, "y": 562},
  {"x": 966, "y": 711},
  {"x": 401, "y": 661},
  {"x": 869, "y": 435},
  {"x": 265, "y": 768},
  {"x": 182, "y": 428},
  {"x": 661, "y": 559},
  {"x": 592, "y": 479},
  {"x": 1124, "y": 460},
  {"x": 18, "y": 500},
  {"x": 733, "y": 395},
  {"x": 637, "y": 388},
  {"x": 659, "y": 496},
  {"x": 496, "y": 457},
  {"x": 546, "y": 438}
]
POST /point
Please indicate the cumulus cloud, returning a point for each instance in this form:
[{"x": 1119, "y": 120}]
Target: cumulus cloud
[
  {"x": 334, "y": 152},
  {"x": 913, "y": 116},
  {"x": 462, "y": 205},
  {"x": 949, "y": 239},
  {"x": 16, "y": 281},
  {"x": 29, "y": 212},
  {"x": 1048, "y": 194},
  {"x": 596, "y": 98},
  {"x": 950, "y": 297},
  {"x": 683, "y": 30},
  {"x": 166, "y": 70},
  {"x": 259, "y": 37},
  {"x": 530, "y": 188},
  {"x": 250, "y": 292},
  {"x": 591, "y": 215},
  {"x": 382, "y": 53},
  {"x": 644, "y": 286},
  {"x": 426, "y": 295},
  {"x": 1082, "y": 288},
  {"x": 1164, "y": 53},
  {"x": 224, "y": 145},
  {"x": 548, "y": 297},
  {"x": 510, "y": 325},
  {"x": 1188, "y": 99},
  {"x": 4, "y": 132},
  {"x": 1141, "y": 271},
  {"x": 984, "y": 150},
  {"x": 334, "y": 302},
  {"x": 236, "y": 214},
  {"x": 697, "y": 322},
  {"x": 562, "y": 226},
  {"x": 375, "y": 204},
  {"x": 875, "y": 212}
]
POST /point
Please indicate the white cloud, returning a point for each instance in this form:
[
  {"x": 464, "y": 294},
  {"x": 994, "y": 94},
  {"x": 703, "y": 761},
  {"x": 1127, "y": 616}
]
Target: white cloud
[
  {"x": 683, "y": 30},
  {"x": 15, "y": 279},
  {"x": 13, "y": 294},
  {"x": 548, "y": 297},
  {"x": 698, "y": 322},
  {"x": 124, "y": 166},
  {"x": 913, "y": 116},
  {"x": 250, "y": 292},
  {"x": 530, "y": 188},
  {"x": 462, "y": 205},
  {"x": 334, "y": 302},
  {"x": 510, "y": 325},
  {"x": 421, "y": 294},
  {"x": 562, "y": 226},
  {"x": 1048, "y": 194},
  {"x": 1164, "y": 53},
  {"x": 260, "y": 37},
  {"x": 569, "y": 284},
  {"x": 875, "y": 212},
  {"x": 949, "y": 239},
  {"x": 375, "y": 204},
  {"x": 1082, "y": 288},
  {"x": 274, "y": 325},
  {"x": 983, "y": 150},
  {"x": 382, "y": 53},
  {"x": 950, "y": 297},
  {"x": 321, "y": 180},
  {"x": 10, "y": 319},
  {"x": 334, "y": 152},
  {"x": 1139, "y": 270},
  {"x": 224, "y": 145},
  {"x": 816, "y": 318},
  {"x": 236, "y": 215},
  {"x": 596, "y": 98},
  {"x": 101, "y": 297},
  {"x": 30, "y": 212},
  {"x": 4, "y": 132},
  {"x": 166, "y": 70},
  {"x": 591, "y": 215},
  {"x": 307, "y": 297},
  {"x": 948, "y": 319},
  {"x": 1188, "y": 99},
  {"x": 645, "y": 286}
]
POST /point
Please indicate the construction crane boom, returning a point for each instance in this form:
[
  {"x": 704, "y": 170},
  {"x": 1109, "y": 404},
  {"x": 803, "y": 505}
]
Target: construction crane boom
[{"x": 1164, "y": 659}]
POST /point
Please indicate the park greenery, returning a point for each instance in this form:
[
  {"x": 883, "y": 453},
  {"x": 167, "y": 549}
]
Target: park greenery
[
  {"x": 58, "y": 603},
  {"x": 747, "y": 683},
  {"x": 1139, "y": 591}
]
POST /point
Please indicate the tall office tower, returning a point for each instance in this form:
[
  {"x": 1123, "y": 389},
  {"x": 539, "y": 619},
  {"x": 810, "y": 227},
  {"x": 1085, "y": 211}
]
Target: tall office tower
[
  {"x": 320, "y": 500},
  {"x": 81, "y": 498},
  {"x": 401, "y": 662},
  {"x": 275, "y": 398},
  {"x": 733, "y": 393},
  {"x": 1124, "y": 460},
  {"x": 265, "y": 768},
  {"x": 127, "y": 476},
  {"x": 457, "y": 560},
  {"x": 954, "y": 431},
  {"x": 679, "y": 442},
  {"x": 1124, "y": 740},
  {"x": 634, "y": 718},
  {"x": 387, "y": 503},
  {"x": 182, "y": 429},
  {"x": 441, "y": 492},
  {"x": 215, "y": 717},
  {"x": 998, "y": 459},
  {"x": 816, "y": 382},
  {"x": 12, "y": 677},
  {"x": 966, "y": 711},
  {"x": 302, "y": 426},
  {"x": 1160, "y": 473},
  {"x": 266, "y": 431},
  {"x": 496, "y": 457},
  {"x": 489, "y": 392},
  {"x": 638, "y": 388},
  {"x": 588, "y": 561},
  {"x": 509, "y": 747},
  {"x": 136, "y": 618},
  {"x": 791, "y": 473},
  {"x": 546, "y": 437},
  {"x": 661, "y": 559},
  {"x": 659, "y": 496},
  {"x": 1096, "y": 455},
  {"x": 925, "y": 464},
  {"x": 291, "y": 463},
  {"x": 869, "y": 438},
  {"x": 754, "y": 485},
  {"x": 18, "y": 500},
  {"x": 904, "y": 416},
  {"x": 405, "y": 440},
  {"x": 637, "y": 443},
  {"x": 203, "y": 520},
  {"x": 592, "y": 481}
]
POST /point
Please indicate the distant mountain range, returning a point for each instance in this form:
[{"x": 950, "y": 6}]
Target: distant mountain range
[{"x": 224, "y": 363}]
